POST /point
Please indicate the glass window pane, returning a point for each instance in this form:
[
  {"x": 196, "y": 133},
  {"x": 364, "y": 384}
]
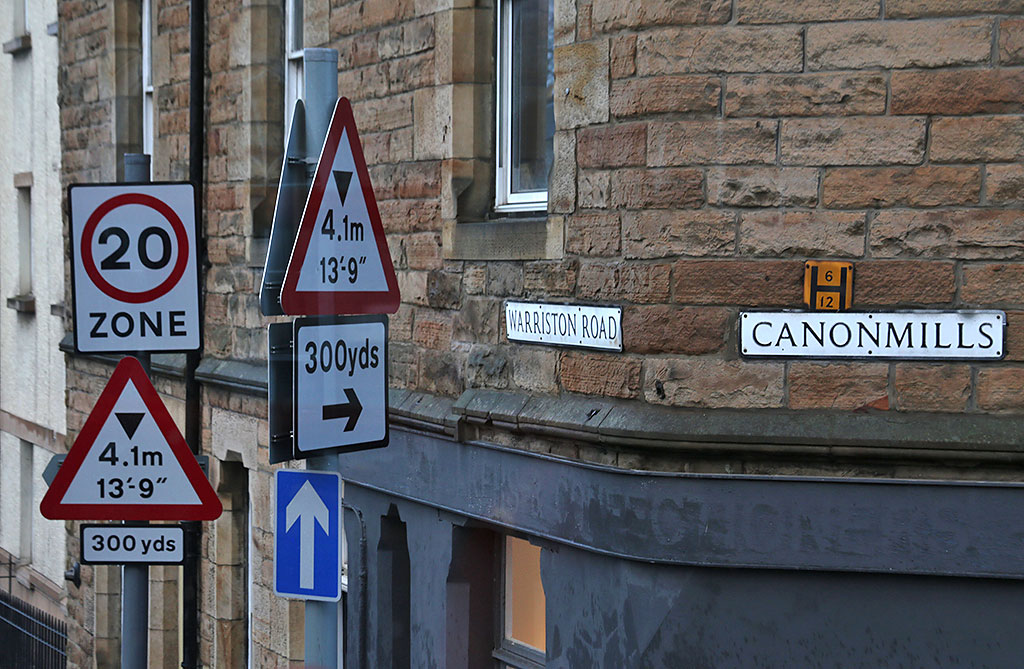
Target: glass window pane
[
  {"x": 524, "y": 594},
  {"x": 533, "y": 113}
]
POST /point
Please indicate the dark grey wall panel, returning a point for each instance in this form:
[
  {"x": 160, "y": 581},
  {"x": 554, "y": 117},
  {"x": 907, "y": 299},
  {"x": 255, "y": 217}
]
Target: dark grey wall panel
[
  {"x": 710, "y": 520},
  {"x": 604, "y": 612}
]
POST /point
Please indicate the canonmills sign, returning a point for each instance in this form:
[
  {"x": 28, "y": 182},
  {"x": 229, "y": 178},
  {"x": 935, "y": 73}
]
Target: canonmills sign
[{"x": 923, "y": 335}]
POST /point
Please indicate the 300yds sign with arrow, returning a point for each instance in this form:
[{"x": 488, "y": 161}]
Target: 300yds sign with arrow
[{"x": 341, "y": 383}]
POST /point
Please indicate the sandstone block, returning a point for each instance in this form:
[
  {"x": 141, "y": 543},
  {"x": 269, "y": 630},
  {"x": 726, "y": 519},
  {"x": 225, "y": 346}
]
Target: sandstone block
[
  {"x": 959, "y": 233},
  {"x": 999, "y": 389},
  {"x": 487, "y": 367},
  {"x": 668, "y": 329},
  {"x": 593, "y": 233},
  {"x": 623, "y": 57},
  {"x": 1005, "y": 184},
  {"x": 749, "y": 283},
  {"x": 838, "y": 94},
  {"x": 1011, "y": 41},
  {"x": 432, "y": 329},
  {"x": 505, "y": 279},
  {"x": 898, "y": 44},
  {"x": 600, "y": 374},
  {"x": 724, "y": 49},
  {"x": 841, "y": 385},
  {"x": 853, "y": 141},
  {"x": 612, "y": 146},
  {"x": 993, "y": 284},
  {"x": 951, "y": 92},
  {"x": 896, "y": 283},
  {"x": 799, "y": 11},
  {"x": 802, "y": 233},
  {"x": 763, "y": 186},
  {"x": 608, "y": 15},
  {"x": 919, "y": 8},
  {"x": 1015, "y": 335},
  {"x": 582, "y": 68},
  {"x": 927, "y": 186},
  {"x": 711, "y": 142},
  {"x": 641, "y": 284},
  {"x": 670, "y": 93},
  {"x": 638, "y": 188},
  {"x": 663, "y": 233},
  {"x": 562, "y": 182},
  {"x": 478, "y": 321},
  {"x": 713, "y": 383},
  {"x": 594, "y": 188},
  {"x": 423, "y": 251},
  {"x": 534, "y": 368},
  {"x": 550, "y": 278},
  {"x": 968, "y": 140},
  {"x": 920, "y": 387}
]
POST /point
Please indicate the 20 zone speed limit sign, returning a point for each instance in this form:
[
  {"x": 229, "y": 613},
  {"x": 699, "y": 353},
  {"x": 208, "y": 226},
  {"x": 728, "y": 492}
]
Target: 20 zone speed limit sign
[{"x": 135, "y": 278}]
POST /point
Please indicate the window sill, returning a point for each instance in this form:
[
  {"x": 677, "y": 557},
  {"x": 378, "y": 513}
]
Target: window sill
[
  {"x": 18, "y": 45},
  {"x": 511, "y": 238},
  {"x": 23, "y": 304}
]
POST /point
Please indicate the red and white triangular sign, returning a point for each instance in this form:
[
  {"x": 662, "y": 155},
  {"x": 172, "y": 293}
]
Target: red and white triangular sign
[
  {"x": 340, "y": 263},
  {"x": 130, "y": 461}
]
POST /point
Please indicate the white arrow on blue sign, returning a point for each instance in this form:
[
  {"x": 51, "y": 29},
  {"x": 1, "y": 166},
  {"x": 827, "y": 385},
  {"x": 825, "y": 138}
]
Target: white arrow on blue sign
[{"x": 307, "y": 535}]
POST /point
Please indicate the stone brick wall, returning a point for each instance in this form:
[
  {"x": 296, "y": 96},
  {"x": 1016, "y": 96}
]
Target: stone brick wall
[{"x": 704, "y": 151}]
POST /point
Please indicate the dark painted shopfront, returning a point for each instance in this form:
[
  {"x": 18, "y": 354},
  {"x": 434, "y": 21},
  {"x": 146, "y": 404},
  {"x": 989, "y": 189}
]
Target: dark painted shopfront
[{"x": 649, "y": 569}]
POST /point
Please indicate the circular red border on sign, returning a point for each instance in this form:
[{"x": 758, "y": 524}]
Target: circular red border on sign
[{"x": 179, "y": 233}]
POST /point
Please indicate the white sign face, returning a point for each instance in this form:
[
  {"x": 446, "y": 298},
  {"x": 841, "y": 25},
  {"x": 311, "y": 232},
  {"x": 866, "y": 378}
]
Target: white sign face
[
  {"x": 127, "y": 544},
  {"x": 926, "y": 335},
  {"x": 130, "y": 462},
  {"x": 341, "y": 383},
  {"x": 342, "y": 253},
  {"x": 564, "y": 324},
  {"x": 134, "y": 268}
]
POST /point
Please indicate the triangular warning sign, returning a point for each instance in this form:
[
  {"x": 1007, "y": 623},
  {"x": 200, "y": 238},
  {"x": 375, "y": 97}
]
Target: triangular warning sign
[
  {"x": 130, "y": 462},
  {"x": 340, "y": 263}
]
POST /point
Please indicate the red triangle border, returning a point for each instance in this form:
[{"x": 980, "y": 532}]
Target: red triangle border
[
  {"x": 326, "y": 303},
  {"x": 130, "y": 369}
]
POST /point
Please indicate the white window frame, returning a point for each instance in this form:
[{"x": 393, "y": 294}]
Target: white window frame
[
  {"x": 294, "y": 85},
  {"x": 505, "y": 199},
  {"x": 148, "y": 108}
]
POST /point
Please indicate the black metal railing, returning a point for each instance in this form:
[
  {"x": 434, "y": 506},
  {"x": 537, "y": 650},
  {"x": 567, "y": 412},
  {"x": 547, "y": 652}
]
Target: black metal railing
[{"x": 30, "y": 638}]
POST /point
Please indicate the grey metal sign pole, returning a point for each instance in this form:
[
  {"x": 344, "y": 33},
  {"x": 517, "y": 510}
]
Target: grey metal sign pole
[
  {"x": 320, "y": 74},
  {"x": 135, "y": 577}
]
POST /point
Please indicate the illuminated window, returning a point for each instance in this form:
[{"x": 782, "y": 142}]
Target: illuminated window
[
  {"x": 525, "y": 109},
  {"x": 523, "y": 628}
]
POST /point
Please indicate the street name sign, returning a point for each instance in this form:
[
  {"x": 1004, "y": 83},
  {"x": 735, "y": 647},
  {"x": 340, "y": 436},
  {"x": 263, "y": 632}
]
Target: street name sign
[
  {"x": 129, "y": 461},
  {"x": 132, "y": 544},
  {"x": 340, "y": 384},
  {"x": 307, "y": 535},
  {"x": 135, "y": 284},
  {"x": 577, "y": 325},
  {"x": 340, "y": 263},
  {"x": 915, "y": 335}
]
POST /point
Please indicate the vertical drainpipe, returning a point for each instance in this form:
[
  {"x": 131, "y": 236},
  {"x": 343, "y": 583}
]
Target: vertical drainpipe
[{"x": 193, "y": 416}]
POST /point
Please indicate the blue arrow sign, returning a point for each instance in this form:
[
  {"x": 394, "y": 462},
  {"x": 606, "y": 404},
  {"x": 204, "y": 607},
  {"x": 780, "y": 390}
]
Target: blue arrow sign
[{"x": 307, "y": 535}]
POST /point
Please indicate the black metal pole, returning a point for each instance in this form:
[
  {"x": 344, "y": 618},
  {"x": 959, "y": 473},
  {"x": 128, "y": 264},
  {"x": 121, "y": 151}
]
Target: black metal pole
[{"x": 193, "y": 427}]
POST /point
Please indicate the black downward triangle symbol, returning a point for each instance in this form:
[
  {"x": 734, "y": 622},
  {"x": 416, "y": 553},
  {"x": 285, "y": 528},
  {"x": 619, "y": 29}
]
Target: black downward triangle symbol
[
  {"x": 342, "y": 179},
  {"x": 130, "y": 422}
]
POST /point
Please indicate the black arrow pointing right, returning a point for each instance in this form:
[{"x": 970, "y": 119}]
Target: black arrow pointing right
[{"x": 350, "y": 410}]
